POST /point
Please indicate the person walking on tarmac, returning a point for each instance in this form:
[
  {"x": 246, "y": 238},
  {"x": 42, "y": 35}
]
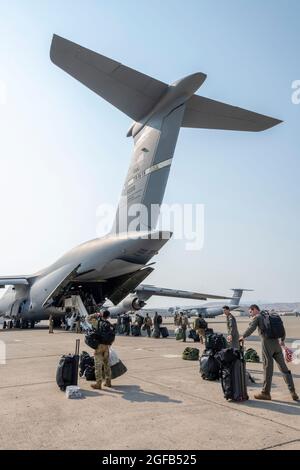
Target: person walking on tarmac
[
  {"x": 101, "y": 354},
  {"x": 271, "y": 350},
  {"x": 126, "y": 323},
  {"x": 77, "y": 324},
  {"x": 148, "y": 325},
  {"x": 51, "y": 324},
  {"x": 200, "y": 326},
  {"x": 184, "y": 324},
  {"x": 232, "y": 329}
]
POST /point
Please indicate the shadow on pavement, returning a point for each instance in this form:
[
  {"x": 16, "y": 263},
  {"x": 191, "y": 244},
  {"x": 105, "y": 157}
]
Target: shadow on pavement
[
  {"x": 135, "y": 393},
  {"x": 289, "y": 408}
]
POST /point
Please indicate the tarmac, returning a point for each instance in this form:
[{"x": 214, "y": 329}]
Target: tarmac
[{"x": 160, "y": 403}]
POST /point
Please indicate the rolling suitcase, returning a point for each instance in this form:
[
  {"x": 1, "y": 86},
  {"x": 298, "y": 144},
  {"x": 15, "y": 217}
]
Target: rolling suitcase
[
  {"x": 233, "y": 374},
  {"x": 164, "y": 332},
  {"x": 67, "y": 370}
]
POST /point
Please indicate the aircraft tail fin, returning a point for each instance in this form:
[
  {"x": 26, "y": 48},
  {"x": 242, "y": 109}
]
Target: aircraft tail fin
[{"x": 237, "y": 294}]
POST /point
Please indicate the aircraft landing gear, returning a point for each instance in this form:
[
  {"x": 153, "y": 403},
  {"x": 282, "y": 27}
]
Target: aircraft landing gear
[
  {"x": 24, "y": 324},
  {"x": 32, "y": 324}
]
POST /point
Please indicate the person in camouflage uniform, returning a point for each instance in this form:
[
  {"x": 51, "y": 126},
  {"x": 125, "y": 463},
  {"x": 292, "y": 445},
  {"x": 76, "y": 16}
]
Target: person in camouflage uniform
[
  {"x": 148, "y": 324},
  {"x": 232, "y": 329},
  {"x": 271, "y": 350},
  {"x": 101, "y": 354},
  {"x": 183, "y": 324}
]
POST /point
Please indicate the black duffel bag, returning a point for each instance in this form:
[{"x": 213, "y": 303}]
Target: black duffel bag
[
  {"x": 209, "y": 366},
  {"x": 104, "y": 334}
]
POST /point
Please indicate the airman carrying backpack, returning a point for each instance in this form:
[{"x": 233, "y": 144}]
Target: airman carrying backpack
[
  {"x": 104, "y": 334},
  {"x": 273, "y": 327}
]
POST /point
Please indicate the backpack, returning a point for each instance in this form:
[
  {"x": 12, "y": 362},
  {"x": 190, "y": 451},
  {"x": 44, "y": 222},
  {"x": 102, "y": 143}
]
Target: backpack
[
  {"x": 200, "y": 323},
  {"x": 85, "y": 361},
  {"x": 190, "y": 354},
  {"x": 107, "y": 332},
  {"x": 251, "y": 355},
  {"x": 159, "y": 319},
  {"x": 215, "y": 342},
  {"x": 104, "y": 334},
  {"x": 89, "y": 373},
  {"x": 273, "y": 327},
  {"x": 209, "y": 366}
]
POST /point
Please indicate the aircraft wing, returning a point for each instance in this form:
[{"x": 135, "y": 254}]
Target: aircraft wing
[
  {"x": 205, "y": 113},
  {"x": 147, "y": 291},
  {"x": 13, "y": 281},
  {"x": 132, "y": 92}
]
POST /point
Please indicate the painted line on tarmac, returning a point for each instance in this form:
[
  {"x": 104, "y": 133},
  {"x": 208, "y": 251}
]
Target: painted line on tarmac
[{"x": 281, "y": 444}]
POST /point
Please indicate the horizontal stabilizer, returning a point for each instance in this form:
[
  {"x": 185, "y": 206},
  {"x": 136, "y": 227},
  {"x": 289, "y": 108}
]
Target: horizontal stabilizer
[
  {"x": 132, "y": 92},
  {"x": 13, "y": 281},
  {"x": 205, "y": 113}
]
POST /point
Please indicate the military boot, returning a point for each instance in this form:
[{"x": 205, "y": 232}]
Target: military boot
[
  {"x": 108, "y": 383},
  {"x": 294, "y": 395},
  {"x": 288, "y": 378},
  {"x": 97, "y": 385},
  {"x": 262, "y": 396}
]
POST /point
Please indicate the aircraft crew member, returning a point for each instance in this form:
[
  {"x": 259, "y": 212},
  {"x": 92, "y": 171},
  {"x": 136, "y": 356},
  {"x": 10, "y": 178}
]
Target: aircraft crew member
[
  {"x": 119, "y": 324},
  {"x": 271, "y": 350},
  {"x": 126, "y": 324},
  {"x": 51, "y": 324},
  {"x": 157, "y": 320},
  {"x": 200, "y": 327},
  {"x": 148, "y": 325},
  {"x": 78, "y": 327},
  {"x": 184, "y": 324},
  {"x": 101, "y": 354},
  {"x": 232, "y": 329}
]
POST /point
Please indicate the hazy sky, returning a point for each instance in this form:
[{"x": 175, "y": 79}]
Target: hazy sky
[{"x": 63, "y": 150}]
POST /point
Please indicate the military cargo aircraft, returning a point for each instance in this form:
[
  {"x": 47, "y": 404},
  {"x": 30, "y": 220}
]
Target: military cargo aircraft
[{"x": 113, "y": 266}]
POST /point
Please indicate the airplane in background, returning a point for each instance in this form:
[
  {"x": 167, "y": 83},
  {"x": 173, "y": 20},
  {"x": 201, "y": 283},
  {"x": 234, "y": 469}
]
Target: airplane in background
[
  {"x": 210, "y": 311},
  {"x": 112, "y": 267}
]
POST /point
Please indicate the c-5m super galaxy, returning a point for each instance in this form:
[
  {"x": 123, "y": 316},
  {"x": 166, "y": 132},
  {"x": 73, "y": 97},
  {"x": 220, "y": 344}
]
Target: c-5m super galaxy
[{"x": 113, "y": 266}]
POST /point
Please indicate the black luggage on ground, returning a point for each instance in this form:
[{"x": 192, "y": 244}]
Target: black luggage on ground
[
  {"x": 194, "y": 335},
  {"x": 215, "y": 342},
  {"x": 233, "y": 374},
  {"x": 135, "y": 330},
  {"x": 209, "y": 366},
  {"x": 85, "y": 361},
  {"x": 164, "y": 331},
  {"x": 89, "y": 373},
  {"x": 209, "y": 331},
  {"x": 155, "y": 333},
  {"x": 118, "y": 369},
  {"x": 67, "y": 370}
]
